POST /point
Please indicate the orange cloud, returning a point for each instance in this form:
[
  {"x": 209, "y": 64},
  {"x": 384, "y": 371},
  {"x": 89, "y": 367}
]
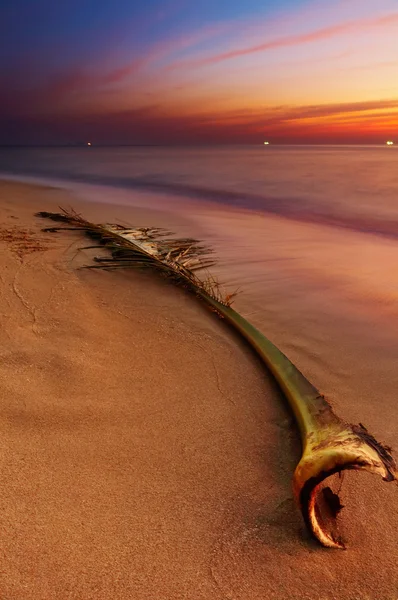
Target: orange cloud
[{"x": 355, "y": 122}]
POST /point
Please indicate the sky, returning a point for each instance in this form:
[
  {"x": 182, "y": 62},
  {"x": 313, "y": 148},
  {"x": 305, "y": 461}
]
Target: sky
[{"x": 198, "y": 72}]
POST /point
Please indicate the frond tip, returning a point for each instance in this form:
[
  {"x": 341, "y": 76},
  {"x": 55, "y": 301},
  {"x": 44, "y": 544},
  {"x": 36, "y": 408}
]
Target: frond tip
[{"x": 148, "y": 247}]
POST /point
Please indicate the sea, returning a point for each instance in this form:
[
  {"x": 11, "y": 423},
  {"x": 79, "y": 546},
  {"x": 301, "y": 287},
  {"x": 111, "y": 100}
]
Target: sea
[{"x": 308, "y": 235}]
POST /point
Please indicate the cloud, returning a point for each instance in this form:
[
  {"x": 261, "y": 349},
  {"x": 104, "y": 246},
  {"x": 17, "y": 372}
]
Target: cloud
[
  {"x": 162, "y": 50},
  {"x": 325, "y": 110},
  {"x": 322, "y": 34},
  {"x": 342, "y": 122},
  {"x": 26, "y": 90}
]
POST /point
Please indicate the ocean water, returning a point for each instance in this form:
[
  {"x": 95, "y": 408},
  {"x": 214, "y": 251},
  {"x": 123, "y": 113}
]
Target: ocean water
[
  {"x": 348, "y": 186},
  {"x": 308, "y": 234}
]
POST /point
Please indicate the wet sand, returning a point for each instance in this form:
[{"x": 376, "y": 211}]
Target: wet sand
[{"x": 145, "y": 452}]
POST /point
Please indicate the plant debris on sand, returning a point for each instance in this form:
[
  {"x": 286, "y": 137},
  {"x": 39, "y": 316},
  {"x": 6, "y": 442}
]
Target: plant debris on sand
[
  {"x": 329, "y": 444},
  {"x": 22, "y": 241}
]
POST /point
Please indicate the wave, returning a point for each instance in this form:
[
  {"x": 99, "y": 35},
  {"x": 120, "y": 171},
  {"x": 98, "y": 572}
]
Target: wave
[{"x": 294, "y": 208}]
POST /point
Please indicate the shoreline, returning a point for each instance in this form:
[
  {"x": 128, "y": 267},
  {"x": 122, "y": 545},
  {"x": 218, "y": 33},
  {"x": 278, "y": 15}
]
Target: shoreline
[
  {"x": 177, "y": 194},
  {"x": 145, "y": 451}
]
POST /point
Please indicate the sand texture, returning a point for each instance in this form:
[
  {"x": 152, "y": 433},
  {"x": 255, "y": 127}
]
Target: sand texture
[{"x": 144, "y": 451}]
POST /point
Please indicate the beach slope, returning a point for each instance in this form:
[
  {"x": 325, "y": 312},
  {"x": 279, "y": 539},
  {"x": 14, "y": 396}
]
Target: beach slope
[{"x": 144, "y": 451}]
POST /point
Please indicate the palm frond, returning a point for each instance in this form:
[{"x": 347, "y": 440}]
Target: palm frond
[
  {"x": 329, "y": 444},
  {"x": 148, "y": 247}
]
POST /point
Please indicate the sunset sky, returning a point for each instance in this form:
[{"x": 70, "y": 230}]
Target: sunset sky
[{"x": 209, "y": 71}]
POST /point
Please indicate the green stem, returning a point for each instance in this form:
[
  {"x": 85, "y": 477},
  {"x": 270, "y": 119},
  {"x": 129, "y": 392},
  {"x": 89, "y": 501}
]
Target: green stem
[{"x": 305, "y": 400}]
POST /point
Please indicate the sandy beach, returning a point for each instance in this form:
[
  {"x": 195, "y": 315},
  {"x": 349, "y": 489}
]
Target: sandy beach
[{"x": 145, "y": 452}]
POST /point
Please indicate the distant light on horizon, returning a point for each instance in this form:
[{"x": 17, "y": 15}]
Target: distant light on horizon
[
  {"x": 390, "y": 143},
  {"x": 88, "y": 143},
  {"x": 266, "y": 143}
]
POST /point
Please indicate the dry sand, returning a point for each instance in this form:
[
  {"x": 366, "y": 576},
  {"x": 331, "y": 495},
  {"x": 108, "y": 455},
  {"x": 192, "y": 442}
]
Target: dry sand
[{"x": 145, "y": 453}]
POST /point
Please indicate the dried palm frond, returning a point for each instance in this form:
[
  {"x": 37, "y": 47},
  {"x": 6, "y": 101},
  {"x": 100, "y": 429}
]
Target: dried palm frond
[
  {"x": 329, "y": 444},
  {"x": 148, "y": 247}
]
